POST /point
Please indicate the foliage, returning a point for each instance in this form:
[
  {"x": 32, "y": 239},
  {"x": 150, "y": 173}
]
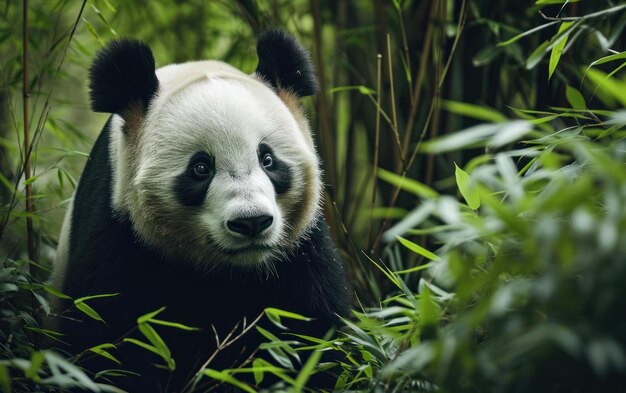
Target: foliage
[{"x": 486, "y": 259}]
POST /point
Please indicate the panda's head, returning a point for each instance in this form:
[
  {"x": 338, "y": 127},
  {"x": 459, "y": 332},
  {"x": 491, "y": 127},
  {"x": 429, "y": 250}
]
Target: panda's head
[{"x": 210, "y": 164}]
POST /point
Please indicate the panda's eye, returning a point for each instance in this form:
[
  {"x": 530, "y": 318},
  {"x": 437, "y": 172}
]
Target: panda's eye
[
  {"x": 201, "y": 170},
  {"x": 267, "y": 161}
]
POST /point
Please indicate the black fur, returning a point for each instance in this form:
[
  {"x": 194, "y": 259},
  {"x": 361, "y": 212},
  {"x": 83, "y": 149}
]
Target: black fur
[
  {"x": 105, "y": 256},
  {"x": 279, "y": 174},
  {"x": 285, "y": 64},
  {"x": 122, "y": 75},
  {"x": 190, "y": 190}
]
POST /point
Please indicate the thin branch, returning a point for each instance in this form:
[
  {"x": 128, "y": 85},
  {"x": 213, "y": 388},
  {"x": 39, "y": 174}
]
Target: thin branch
[
  {"x": 588, "y": 16},
  {"x": 221, "y": 345}
]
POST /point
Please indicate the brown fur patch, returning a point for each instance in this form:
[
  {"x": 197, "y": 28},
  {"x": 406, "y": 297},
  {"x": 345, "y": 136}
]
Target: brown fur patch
[
  {"x": 293, "y": 104},
  {"x": 307, "y": 201},
  {"x": 133, "y": 117}
]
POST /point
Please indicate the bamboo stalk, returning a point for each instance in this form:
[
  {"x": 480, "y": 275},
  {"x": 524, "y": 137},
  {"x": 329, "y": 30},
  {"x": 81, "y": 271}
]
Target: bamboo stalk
[
  {"x": 27, "y": 148},
  {"x": 434, "y": 128},
  {"x": 394, "y": 116},
  {"x": 379, "y": 59},
  {"x": 409, "y": 163},
  {"x": 417, "y": 87}
]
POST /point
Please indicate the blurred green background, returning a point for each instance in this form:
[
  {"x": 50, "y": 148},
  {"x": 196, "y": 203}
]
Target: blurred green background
[{"x": 488, "y": 135}]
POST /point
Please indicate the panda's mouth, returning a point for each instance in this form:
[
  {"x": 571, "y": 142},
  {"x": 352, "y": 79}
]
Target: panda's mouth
[{"x": 252, "y": 248}]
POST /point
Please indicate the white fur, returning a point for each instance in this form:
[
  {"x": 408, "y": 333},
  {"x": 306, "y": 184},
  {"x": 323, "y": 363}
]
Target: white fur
[
  {"x": 210, "y": 106},
  {"x": 63, "y": 248}
]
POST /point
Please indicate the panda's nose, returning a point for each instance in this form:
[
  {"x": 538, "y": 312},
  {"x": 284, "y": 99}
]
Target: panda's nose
[{"x": 250, "y": 226}]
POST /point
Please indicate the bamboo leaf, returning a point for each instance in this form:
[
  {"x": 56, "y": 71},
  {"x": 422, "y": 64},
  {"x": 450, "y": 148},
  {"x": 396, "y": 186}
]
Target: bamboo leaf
[
  {"x": 557, "y": 49},
  {"x": 575, "y": 98},
  {"x": 409, "y": 185},
  {"x": 414, "y": 269},
  {"x": 5, "y": 379},
  {"x": 55, "y": 292},
  {"x": 90, "y": 312},
  {"x": 223, "y": 376},
  {"x": 85, "y": 298},
  {"x": 526, "y": 33},
  {"x": 146, "y": 317},
  {"x": 537, "y": 55},
  {"x": 102, "y": 351},
  {"x": 463, "y": 181},
  {"x": 142, "y": 344},
  {"x": 173, "y": 325},
  {"x": 417, "y": 249},
  {"x": 608, "y": 85},
  {"x": 473, "y": 111},
  {"x": 547, "y": 2}
]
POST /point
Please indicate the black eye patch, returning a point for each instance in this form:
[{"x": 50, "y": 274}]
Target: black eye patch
[
  {"x": 278, "y": 172},
  {"x": 191, "y": 186}
]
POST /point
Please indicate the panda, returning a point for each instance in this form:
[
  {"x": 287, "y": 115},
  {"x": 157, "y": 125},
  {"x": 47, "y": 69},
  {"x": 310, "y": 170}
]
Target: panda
[{"x": 203, "y": 195}]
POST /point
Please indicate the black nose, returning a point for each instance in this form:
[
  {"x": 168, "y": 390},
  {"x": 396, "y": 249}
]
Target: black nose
[{"x": 250, "y": 226}]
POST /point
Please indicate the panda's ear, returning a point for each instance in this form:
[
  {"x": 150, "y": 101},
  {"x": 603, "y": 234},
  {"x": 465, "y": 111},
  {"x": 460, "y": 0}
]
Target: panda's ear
[
  {"x": 122, "y": 76},
  {"x": 285, "y": 64}
]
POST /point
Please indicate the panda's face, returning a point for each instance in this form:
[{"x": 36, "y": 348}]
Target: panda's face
[{"x": 221, "y": 170}]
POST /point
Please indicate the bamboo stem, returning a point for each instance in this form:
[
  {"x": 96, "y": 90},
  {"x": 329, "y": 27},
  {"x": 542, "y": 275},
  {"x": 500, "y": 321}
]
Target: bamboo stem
[
  {"x": 392, "y": 95},
  {"x": 376, "y": 144},
  {"x": 27, "y": 147}
]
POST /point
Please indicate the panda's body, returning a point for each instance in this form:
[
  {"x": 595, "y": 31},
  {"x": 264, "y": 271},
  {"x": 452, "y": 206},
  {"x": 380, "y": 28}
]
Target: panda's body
[{"x": 201, "y": 195}]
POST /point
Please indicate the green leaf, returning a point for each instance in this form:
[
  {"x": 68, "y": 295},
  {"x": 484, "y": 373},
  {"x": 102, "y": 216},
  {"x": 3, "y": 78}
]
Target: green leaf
[
  {"x": 496, "y": 135},
  {"x": 575, "y": 98},
  {"x": 606, "y": 59},
  {"x": 417, "y": 249},
  {"x": 361, "y": 89},
  {"x": 89, "y": 311},
  {"x": 156, "y": 340},
  {"x": 409, "y": 185},
  {"x": 286, "y": 314},
  {"x": 85, "y": 298},
  {"x": 389, "y": 274},
  {"x": 5, "y": 379},
  {"x": 429, "y": 312},
  {"x": 35, "y": 365},
  {"x": 537, "y": 55},
  {"x": 173, "y": 325},
  {"x": 55, "y": 292},
  {"x": 43, "y": 302},
  {"x": 102, "y": 351},
  {"x": 547, "y": 2},
  {"x": 486, "y": 55},
  {"x": 608, "y": 85},
  {"x": 142, "y": 345},
  {"x": 388, "y": 212},
  {"x": 61, "y": 367},
  {"x": 414, "y": 269},
  {"x": 258, "y": 371},
  {"x": 275, "y": 314},
  {"x": 224, "y": 376},
  {"x": 524, "y": 34},
  {"x": 146, "y": 317},
  {"x": 30, "y": 180},
  {"x": 307, "y": 370},
  {"x": 93, "y": 31},
  {"x": 557, "y": 49},
  {"x": 473, "y": 111},
  {"x": 463, "y": 181}
]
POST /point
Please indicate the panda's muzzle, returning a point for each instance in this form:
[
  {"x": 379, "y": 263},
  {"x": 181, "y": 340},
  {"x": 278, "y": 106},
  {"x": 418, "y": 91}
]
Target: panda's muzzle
[{"x": 250, "y": 226}]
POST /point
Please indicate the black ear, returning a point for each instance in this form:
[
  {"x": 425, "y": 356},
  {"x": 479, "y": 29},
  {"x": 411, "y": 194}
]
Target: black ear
[
  {"x": 122, "y": 76},
  {"x": 285, "y": 64}
]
